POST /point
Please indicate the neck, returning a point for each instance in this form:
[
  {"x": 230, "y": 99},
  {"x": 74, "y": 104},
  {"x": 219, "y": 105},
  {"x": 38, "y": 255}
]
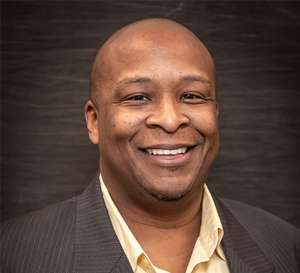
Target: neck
[
  {"x": 144, "y": 209},
  {"x": 163, "y": 216},
  {"x": 166, "y": 231},
  {"x": 168, "y": 241}
]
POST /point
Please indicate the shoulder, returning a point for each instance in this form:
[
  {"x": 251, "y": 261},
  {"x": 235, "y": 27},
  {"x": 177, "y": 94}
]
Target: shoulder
[
  {"x": 253, "y": 218},
  {"x": 277, "y": 239},
  {"x": 40, "y": 221},
  {"x": 37, "y": 240}
]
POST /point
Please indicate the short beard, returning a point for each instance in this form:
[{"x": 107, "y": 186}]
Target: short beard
[{"x": 165, "y": 197}]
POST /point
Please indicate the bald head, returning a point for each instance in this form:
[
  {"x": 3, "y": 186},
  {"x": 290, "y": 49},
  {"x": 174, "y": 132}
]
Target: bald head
[{"x": 155, "y": 35}]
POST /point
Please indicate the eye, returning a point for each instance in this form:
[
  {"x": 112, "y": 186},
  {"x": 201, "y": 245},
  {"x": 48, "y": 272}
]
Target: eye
[
  {"x": 193, "y": 98},
  {"x": 139, "y": 97},
  {"x": 189, "y": 96}
]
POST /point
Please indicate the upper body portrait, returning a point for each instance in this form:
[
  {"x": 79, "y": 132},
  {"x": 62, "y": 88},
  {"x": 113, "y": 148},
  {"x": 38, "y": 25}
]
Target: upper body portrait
[{"x": 153, "y": 112}]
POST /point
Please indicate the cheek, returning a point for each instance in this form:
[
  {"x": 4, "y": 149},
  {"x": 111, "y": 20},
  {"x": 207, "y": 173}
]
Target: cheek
[
  {"x": 120, "y": 126},
  {"x": 206, "y": 123}
]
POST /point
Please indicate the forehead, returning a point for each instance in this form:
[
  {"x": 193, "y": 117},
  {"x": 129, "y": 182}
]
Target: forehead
[
  {"x": 155, "y": 39},
  {"x": 153, "y": 51}
]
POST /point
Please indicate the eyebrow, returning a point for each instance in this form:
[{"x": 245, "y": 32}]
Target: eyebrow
[
  {"x": 189, "y": 78},
  {"x": 127, "y": 81},
  {"x": 196, "y": 79}
]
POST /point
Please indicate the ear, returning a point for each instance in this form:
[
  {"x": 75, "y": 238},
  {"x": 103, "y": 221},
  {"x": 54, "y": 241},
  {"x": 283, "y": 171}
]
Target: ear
[
  {"x": 217, "y": 108},
  {"x": 91, "y": 117}
]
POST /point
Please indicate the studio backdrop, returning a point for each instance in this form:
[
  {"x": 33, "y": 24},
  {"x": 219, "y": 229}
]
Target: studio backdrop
[{"x": 47, "y": 53}]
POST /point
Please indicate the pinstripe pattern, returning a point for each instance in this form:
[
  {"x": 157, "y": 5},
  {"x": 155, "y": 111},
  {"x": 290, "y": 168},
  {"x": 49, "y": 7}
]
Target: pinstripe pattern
[
  {"x": 37, "y": 242},
  {"x": 77, "y": 236},
  {"x": 72, "y": 236},
  {"x": 256, "y": 241},
  {"x": 95, "y": 232}
]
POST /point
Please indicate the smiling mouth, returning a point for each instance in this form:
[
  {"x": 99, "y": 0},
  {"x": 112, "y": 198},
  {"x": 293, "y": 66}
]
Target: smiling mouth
[{"x": 182, "y": 150}]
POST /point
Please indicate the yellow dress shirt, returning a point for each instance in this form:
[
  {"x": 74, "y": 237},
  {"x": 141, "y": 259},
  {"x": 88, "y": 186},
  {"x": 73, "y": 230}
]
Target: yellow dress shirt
[{"x": 207, "y": 255}]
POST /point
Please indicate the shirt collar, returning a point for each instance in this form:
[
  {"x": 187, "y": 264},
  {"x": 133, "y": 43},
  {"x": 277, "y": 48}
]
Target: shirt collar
[
  {"x": 127, "y": 240},
  {"x": 211, "y": 233}
]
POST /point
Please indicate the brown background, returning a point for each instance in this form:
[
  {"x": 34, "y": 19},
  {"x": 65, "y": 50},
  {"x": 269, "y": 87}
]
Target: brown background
[{"x": 47, "y": 53}]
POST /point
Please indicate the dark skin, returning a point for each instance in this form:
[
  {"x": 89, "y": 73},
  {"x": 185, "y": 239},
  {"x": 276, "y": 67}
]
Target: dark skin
[{"x": 155, "y": 89}]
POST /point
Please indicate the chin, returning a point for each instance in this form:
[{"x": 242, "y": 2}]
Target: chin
[
  {"x": 168, "y": 193},
  {"x": 170, "y": 198}
]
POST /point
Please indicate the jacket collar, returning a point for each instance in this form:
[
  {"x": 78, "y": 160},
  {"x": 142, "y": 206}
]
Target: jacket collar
[
  {"x": 241, "y": 251},
  {"x": 97, "y": 248},
  {"x": 97, "y": 253}
]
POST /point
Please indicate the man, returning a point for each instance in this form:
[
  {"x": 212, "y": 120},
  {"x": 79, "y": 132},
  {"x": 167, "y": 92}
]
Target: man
[{"x": 153, "y": 113}]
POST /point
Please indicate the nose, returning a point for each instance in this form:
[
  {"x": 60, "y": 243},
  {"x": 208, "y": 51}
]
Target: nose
[{"x": 167, "y": 115}]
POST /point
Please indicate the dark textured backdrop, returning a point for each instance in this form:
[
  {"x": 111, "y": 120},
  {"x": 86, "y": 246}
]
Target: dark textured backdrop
[{"x": 47, "y": 53}]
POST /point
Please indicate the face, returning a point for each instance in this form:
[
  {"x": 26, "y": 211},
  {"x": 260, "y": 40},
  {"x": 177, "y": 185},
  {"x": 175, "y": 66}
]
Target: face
[{"x": 156, "y": 123}]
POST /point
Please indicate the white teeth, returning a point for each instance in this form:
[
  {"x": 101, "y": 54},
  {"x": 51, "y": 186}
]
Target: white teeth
[
  {"x": 175, "y": 152},
  {"x": 183, "y": 150},
  {"x": 167, "y": 152}
]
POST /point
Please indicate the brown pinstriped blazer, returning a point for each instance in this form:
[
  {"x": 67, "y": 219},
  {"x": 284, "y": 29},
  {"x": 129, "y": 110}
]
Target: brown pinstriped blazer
[{"x": 77, "y": 236}]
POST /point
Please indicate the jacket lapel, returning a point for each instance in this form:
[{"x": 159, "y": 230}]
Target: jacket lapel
[
  {"x": 97, "y": 248},
  {"x": 241, "y": 251}
]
